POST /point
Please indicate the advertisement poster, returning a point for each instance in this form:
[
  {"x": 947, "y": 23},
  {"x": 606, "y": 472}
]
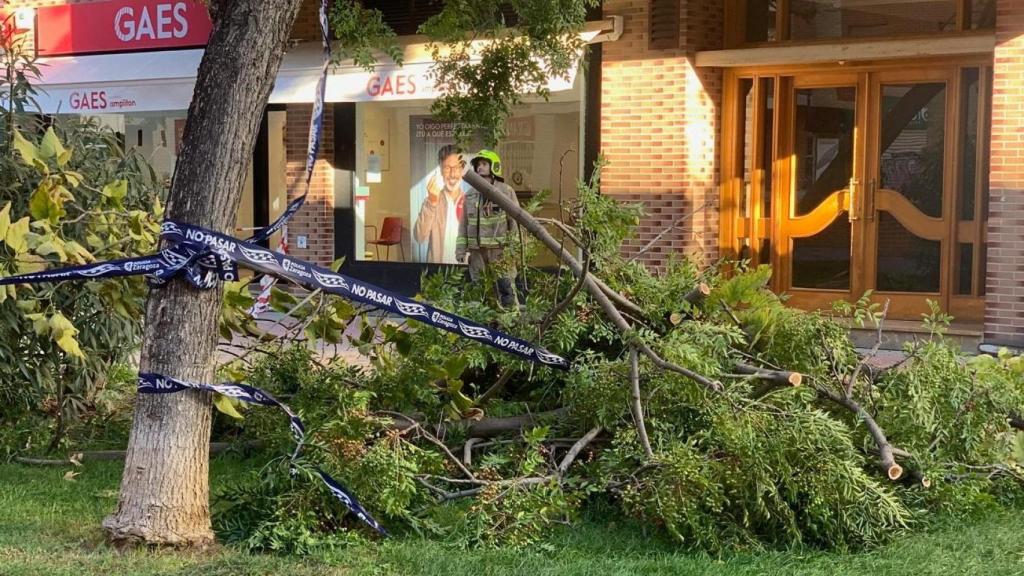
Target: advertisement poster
[{"x": 436, "y": 192}]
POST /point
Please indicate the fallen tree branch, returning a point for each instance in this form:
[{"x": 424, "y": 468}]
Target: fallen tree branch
[
  {"x": 414, "y": 425},
  {"x": 604, "y": 300},
  {"x": 580, "y": 444},
  {"x": 530, "y": 481},
  {"x": 697, "y": 295},
  {"x": 490, "y": 427},
  {"x": 636, "y": 404},
  {"x": 886, "y": 457},
  {"x": 780, "y": 377},
  {"x": 481, "y": 484},
  {"x": 467, "y": 451}
]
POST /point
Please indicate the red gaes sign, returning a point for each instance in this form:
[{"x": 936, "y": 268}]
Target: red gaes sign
[{"x": 121, "y": 26}]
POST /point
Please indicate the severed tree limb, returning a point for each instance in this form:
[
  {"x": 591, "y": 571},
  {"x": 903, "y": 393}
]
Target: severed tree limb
[
  {"x": 467, "y": 451},
  {"x": 886, "y": 455},
  {"x": 918, "y": 478},
  {"x": 604, "y": 300},
  {"x": 780, "y": 377},
  {"x": 773, "y": 379},
  {"x": 697, "y": 294},
  {"x": 490, "y": 427},
  {"x": 481, "y": 484},
  {"x": 621, "y": 301},
  {"x": 636, "y": 405},
  {"x": 580, "y": 444},
  {"x": 530, "y": 481}
]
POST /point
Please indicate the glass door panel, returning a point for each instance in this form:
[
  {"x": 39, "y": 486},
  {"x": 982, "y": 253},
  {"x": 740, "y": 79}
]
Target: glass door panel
[
  {"x": 910, "y": 194},
  {"x": 822, "y": 164}
]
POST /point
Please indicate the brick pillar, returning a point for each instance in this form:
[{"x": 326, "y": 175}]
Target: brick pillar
[
  {"x": 660, "y": 122},
  {"x": 316, "y": 219},
  {"x": 1004, "y": 300}
]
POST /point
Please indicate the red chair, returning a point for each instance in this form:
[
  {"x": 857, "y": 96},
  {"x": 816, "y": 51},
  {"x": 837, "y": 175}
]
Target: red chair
[{"x": 390, "y": 235}]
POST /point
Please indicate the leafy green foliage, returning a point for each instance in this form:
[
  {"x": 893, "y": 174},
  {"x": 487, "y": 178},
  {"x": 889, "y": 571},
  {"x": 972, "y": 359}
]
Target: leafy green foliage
[
  {"x": 68, "y": 195},
  {"x": 486, "y": 64},
  {"x": 731, "y": 470}
]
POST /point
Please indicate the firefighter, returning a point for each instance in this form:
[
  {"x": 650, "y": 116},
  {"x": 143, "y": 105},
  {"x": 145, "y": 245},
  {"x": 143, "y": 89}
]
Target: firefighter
[{"x": 484, "y": 228}]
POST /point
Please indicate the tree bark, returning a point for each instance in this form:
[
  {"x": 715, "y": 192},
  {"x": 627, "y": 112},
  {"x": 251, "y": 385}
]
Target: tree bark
[{"x": 164, "y": 496}]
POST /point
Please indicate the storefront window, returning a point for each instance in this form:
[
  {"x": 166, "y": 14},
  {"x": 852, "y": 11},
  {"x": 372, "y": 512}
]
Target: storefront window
[
  {"x": 157, "y": 136},
  {"x": 409, "y": 192}
]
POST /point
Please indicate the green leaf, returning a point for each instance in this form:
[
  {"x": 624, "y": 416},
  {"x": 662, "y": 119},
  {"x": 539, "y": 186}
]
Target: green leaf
[
  {"x": 5, "y": 220},
  {"x": 226, "y": 405},
  {"x": 60, "y": 326},
  {"x": 28, "y": 151},
  {"x": 403, "y": 343},
  {"x": 94, "y": 241},
  {"x": 116, "y": 190},
  {"x": 73, "y": 178},
  {"x": 50, "y": 146},
  {"x": 28, "y": 263},
  {"x": 337, "y": 264},
  {"x": 15, "y": 236},
  {"x": 236, "y": 295},
  {"x": 455, "y": 365},
  {"x": 69, "y": 345},
  {"x": 78, "y": 253},
  {"x": 461, "y": 401},
  {"x": 50, "y": 247},
  {"x": 39, "y": 324},
  {"x": 28, "y": 306},
  {"x": 62, "y": 161},
  {"x": 343, "y": 309},
  {"x": 281, "y": 301}
]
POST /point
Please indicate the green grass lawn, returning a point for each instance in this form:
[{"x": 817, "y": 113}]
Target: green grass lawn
[{"x": 50, "y": 526}]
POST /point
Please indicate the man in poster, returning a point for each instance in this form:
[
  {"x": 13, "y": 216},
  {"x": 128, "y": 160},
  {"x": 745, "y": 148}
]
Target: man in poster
[{"x": 438, "y": 220}]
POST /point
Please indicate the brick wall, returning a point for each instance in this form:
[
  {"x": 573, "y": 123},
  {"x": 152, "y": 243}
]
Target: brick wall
[
  {"x": 659, "y": 127},
  {"x": 1004, "y": 301},
  {"x": 316, "y": 219},
  {"x": 307, "y": 24}
]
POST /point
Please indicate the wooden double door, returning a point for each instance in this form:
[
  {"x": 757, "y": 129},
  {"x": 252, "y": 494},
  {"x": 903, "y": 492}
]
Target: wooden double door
[{"x": 860, "y": 180}]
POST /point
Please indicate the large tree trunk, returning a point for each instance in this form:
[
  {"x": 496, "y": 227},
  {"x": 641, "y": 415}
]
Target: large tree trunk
[{"x": 165, "y": 488}]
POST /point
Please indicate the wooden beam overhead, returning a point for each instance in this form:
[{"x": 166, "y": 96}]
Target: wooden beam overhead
[{"x": 849, "y": 51}]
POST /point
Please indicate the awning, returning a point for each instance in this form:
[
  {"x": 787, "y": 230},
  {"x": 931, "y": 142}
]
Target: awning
[{"x": 157, "y": 81}]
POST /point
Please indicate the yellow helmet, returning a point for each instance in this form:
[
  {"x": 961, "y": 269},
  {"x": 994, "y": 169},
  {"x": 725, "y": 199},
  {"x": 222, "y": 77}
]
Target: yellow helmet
[{"x": 492, "y": 157}]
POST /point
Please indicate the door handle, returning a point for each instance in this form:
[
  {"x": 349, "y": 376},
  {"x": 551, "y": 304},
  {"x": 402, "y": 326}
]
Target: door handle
[{"x": 854, "y": 211}]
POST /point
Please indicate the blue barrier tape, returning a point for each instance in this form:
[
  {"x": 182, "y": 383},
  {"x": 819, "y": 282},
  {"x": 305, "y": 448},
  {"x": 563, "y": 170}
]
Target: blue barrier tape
[
  {"x": 249, "y": 255},
  {"x": 159, "y": 384}
]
